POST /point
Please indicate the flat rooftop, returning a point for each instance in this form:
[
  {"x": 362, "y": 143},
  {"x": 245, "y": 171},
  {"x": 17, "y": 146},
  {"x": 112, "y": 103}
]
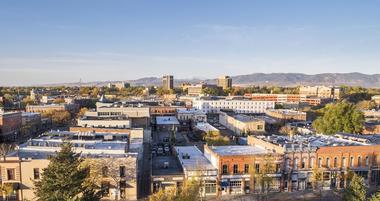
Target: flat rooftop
[
  {"x": 237, "y": 150},
  {"x": 206, "y": 127},
  {"x": 158, "y": 169},
  {"x": 245, "y": 118},
  {"x": 192, "y": 159},
  {"x": 287, "y": 111},
  {"x": 167, "y": 120}
]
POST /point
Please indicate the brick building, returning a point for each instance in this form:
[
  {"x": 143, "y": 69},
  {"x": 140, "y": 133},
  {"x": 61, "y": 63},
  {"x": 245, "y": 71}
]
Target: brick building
[{"x": 10, "y": 125}]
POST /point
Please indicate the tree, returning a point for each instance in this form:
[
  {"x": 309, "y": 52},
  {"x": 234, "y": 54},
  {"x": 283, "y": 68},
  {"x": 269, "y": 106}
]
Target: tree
[
  {"x": 375, "y": 196},
  {"x": 82, "y": 112},
  {"x": 366, "y": 105},
  {"x": 317, "y": 180},
  {"x": 59, "y": 101},
  {"x": 189, "y": 192},
  {"x": 58, "y": 117},
  {"x": 356, "y": 191},
  {"x": 5, "y": 149},
  {"x": 64, "y": 178},
  {"x": 262, "y": 173},
  {"x": 7, "y": 190},
  {"x": 339, "y": 117},
  {"x": 288, "y": 130}
]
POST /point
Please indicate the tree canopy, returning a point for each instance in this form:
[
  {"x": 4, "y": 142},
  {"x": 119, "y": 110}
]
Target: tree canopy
[
  {"x": 356, "y": 191},
  {"x": 339, "y": 117},
  {"x": 64, "y": 178}
]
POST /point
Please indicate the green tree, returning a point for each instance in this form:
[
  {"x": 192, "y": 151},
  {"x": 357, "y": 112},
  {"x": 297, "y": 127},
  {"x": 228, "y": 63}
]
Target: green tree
[
  {"x": 356, "y": 191},
  {"x": 64, "y": 178},
  {"x": 375, "y": 196},
  {"x": 339, "y": 117}
]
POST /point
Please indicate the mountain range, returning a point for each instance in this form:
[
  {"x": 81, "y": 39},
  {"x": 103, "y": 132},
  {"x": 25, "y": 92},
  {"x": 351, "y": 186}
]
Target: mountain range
[{"x": 272, "y": 79}]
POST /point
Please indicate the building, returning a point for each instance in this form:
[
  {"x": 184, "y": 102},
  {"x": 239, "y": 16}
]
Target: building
[
  {"x": 286, "y": 98},
  {"x": 167, "y": 123},
  {"x": 72, "y": 108},
  {"x": 193, "y": 115},
  {"x": 139, "y": 114},
  {"x": 241, "y": 124},
  {"x": 197, "y": 167},
  {"x": 197, "y": 90},
  {"x": 104, "y": 122},
  {"x": 376, "y": 98},
  {"x": 238, "y": 106},
  {"x": 334, "y": 156},
  {"x": 321, "y": 91},
  {"x": 10, "y": 126},
  {"x": 225, "y": 82},
  {"x": 371, "y": 128},
  {"x": 26, "y": 165},
  {"x": 236, "y": 166},
  {"x": 287, "y": 115},
  {"x": 119, "y": 85},
  {"x": 168, "y": 82},
  {"x": 206, "y": 128}
]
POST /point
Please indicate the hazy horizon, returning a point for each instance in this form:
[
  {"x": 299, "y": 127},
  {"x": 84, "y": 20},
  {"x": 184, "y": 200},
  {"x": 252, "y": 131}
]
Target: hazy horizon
[{"x": 46, "y": 42}]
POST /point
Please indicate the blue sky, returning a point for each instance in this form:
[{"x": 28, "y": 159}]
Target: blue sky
[{"x": 52, "y": 41}]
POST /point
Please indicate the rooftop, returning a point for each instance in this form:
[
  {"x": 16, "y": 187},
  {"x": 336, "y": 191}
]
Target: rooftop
[
  {"x": 206, "y": 127},
  {"x": 158, "y": 168},
  {"x": 167, "y": 120},
  {"x": 237, "y": 150},
  {"x": 192, "y": 159},
  {"x": 245, "y": 118}
]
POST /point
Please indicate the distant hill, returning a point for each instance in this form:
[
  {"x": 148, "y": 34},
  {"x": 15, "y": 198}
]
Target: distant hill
[{"x": 280, "y": 79}]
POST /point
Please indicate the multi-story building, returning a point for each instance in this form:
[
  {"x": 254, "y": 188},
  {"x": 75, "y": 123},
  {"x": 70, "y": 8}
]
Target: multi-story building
[
  {"x": 196, "y": 167},
  {"x": 10, "y": 125},
  {"x": 225, "y": 82},
  {"x": 194, "y": 115},
  {"x": 376, "y": 98},
  {"x": 238, "y": 164},
  {"x": 72, "y": 108},
  {"x": 241, "y": 124},
  {"x": 139, "y": 115},
  {"x": 320, "y": 91},
  {"x": 25, "y": 166},
  {"x": 197, "y": 90},
  {"x": 287, "y": 115},
  {"x": 105, "y": 122},
  {"x": 168, "y": 82},
  {"x": 119, "y": 85},
  {"x": 286, "y": 98},
  {"x": 333, "y": 156},
  {"x": 238, "y": 106}
]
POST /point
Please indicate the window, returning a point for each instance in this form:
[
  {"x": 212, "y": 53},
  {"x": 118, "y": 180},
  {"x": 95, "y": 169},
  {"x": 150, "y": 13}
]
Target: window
[
  {"x": 344, "y": 162},
  {"x": 351, "y": 161},
  {"x": 295, "y": 164},
  {"x": 319, "y": 162},
  {"x": 278, "y": 167},
  {"x": 366, "y": 161},
  {"x": 246, "y": 168},
  {"x": 257, "y": 167},
  {"x": 11, "y": 174},
  {"x": 224, "y": 169},
  {"x": 328, "y": 162},
  {"x": 359, "y": 161},
  {"x": 210, "y": 187},
  {"x": 105, "y": 171},
  {"x": 122, "y": 171},
  {"x": 311, "y": 162},
  {"x": 105, "y": 189},
  {"x": 36, "y": 173},
  {"x": 335, "y": 162},
  {"x": 303, "y": 163},
  {"x": 287, "y": 164},
  {"x": 236, "y": 168}
]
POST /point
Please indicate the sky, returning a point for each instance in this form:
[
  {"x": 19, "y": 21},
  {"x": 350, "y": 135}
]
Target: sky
[{"x": 52, "y": 41}]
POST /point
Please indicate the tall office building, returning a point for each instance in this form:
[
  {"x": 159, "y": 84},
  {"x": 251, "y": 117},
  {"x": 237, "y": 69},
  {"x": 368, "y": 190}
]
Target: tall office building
[
  {"x": 167, "y": 82},
  {"x": 225, "y": 82}
]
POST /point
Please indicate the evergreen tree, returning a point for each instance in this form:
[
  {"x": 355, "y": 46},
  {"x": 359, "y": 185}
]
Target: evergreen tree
[
  {"x": 356, "y": 191},
  {"x": 64, "y": 178},
  {"x": 375, "y": 197}
]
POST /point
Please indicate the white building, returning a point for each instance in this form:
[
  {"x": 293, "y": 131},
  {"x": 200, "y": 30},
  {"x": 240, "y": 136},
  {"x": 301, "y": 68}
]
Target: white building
[
  {"x": 196, "y": 166},
  {"x": 238, "y": 106},
  {"x": 195, "y": 115}
]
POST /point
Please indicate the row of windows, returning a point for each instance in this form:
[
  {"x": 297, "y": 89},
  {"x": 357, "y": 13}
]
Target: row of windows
[
  {"x": 235, "y": 168},
  {"x": 11, "y": 173},
  {"x": 344, "y": 163}
]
